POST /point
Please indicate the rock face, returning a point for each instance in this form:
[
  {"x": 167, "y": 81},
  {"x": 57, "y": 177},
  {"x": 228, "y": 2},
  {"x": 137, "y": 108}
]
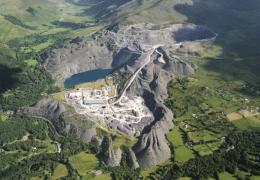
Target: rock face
[
  {"x": 124, "y": 49},
  {"x": 114, "y": 157},
  {"x": 134, "y": 162},
  {"x": 111, "y": 50},
  {"x": 47, "y": 108},
  {"x": 152, "y": 147},
  {"x": 75, "y": 57},
  {"x": 63, "y": 118}
]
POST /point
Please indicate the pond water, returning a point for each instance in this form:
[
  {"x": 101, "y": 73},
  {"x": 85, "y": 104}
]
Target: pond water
[{"x": 87, "y": 76}]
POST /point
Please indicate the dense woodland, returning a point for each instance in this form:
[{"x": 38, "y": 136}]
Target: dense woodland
[
  {"x": 23, "y": 84},
  {"x": 20, "y": 160}
]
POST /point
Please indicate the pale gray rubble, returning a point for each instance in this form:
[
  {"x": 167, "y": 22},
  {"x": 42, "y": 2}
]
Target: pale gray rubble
[
  {"x": 110, "y": 50},
  {"x": 145, "y": 53},
  {"x": 75, "y": 57},
  {"x": 46, "y": 108},
  {"x": 63, "y": 118},
  {"x": 152, "y": 148}
]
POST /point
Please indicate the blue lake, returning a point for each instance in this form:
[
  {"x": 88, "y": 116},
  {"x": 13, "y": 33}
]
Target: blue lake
[{"x": 87, "y": 76}]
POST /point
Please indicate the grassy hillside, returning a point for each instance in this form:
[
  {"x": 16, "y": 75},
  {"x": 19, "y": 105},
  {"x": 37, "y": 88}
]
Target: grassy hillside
[{"x": 21, "y": 18}]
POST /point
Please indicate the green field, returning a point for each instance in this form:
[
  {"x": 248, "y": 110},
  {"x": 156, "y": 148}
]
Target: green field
[
  {"x": 150, "y": 173},
  {"x": 184, "y": 178},
  {"x": 51, "y": 147},
  {"x": 105, "y": 176},
  {"x": 119, "y": 139},
  {"x": 146, "y": 172},
  {"x": 31, "y": 62},
  {"x": 3, "y": 117},
  {"x": 181, "y": 152},
  {"x": 254, "y": 177},
  {"x": 206, "y": 149},
  {"x": 226, "y": 175},
  {"x": 203, "y": 135},
  {"x": 249, "y": 123},
  {"x": 60, "y": 171},
  {"x": 85, "y": 164}
]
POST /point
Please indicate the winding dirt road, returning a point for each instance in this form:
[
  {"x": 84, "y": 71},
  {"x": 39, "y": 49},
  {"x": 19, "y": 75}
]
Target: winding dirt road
[{"x": 132, "y": 78}]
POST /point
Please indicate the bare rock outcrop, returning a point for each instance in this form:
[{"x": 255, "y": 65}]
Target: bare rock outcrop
[
  {"x": 63, "y": 118},
  {"x": 152, "y": 149},
  {"x": 114, "y": 157},
  {"x": 75, "y": 57},
  {"x": 111, "y": 50},
  {"x": 132, "y": 157},
  {"x": 46, "y": 108}
]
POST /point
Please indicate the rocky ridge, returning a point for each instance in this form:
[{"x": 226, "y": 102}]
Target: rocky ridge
[
  {"x": 64, "y": 119},
  {"x": 110, "y": 49}
]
